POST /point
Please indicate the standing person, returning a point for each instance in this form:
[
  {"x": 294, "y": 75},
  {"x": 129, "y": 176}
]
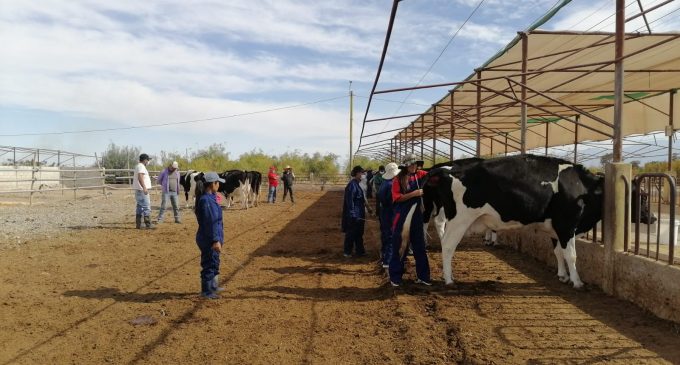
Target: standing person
[
  {"x": 273, "y": 178},
  {"x": 210, "y": 234},
  {"x": 169, "y": 181},
  {"x": 386, "y": 211},
  {"x": 141, "y": 183},
  {"x": 369, "y": 186},
  {"x": 376, "y": 182},
  {"x": 288, "y": 179},
  {"x": 354, "y": 215},
  {"x": 406, "y": 195}
]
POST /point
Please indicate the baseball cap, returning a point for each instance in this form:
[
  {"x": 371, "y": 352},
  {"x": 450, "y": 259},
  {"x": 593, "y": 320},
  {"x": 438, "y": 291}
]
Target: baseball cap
[
  {"x": 357, "y": 169},
  {"x": 175, "y": 164},
  {"x": 144, "y": 157},
  {"x": 212, "y": 176}
]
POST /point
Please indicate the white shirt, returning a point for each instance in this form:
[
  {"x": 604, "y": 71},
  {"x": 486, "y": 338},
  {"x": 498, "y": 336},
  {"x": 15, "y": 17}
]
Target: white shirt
[{"x": 141, "y": 169}]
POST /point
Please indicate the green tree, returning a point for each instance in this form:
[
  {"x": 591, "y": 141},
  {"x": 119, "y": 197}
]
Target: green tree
[{"x": 120, "y": 157}]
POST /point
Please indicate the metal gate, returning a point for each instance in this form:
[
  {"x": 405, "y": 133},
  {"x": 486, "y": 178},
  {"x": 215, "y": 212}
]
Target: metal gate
[{"x": 654, "y": 216}]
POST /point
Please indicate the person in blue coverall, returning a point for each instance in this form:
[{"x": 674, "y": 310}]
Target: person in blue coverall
[
  {"x": 406, "y": 195},
  {"x": 210, "y": 234},
  {"x": 354, "y": 215},
  {"x": 386, "y": 212}
]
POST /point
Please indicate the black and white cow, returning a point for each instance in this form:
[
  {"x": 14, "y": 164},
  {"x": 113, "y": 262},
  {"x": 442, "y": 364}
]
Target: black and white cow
[
  {"x": 188, "y": 182},
  {"x": 236, "y": 183},
  {"x": 557, "y": 196},
  {"x": 255, "y": 179}
]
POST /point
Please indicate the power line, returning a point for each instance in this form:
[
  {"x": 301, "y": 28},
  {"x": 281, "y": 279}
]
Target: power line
[
  {"x": 174, "y": 123},
  {"x": 440, "y": 54}
]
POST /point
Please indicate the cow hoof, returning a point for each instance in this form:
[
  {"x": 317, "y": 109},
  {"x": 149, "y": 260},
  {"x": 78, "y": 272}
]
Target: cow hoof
[
  {"x": 578, "y": 285},
  {"x": 564, "y": 279}
]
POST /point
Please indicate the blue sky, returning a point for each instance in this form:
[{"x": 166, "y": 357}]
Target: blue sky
[{"x": 73, "y": 65}]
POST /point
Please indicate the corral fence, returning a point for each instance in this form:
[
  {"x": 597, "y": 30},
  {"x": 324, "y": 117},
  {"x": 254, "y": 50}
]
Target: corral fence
[{"x": 652, "y": 229}]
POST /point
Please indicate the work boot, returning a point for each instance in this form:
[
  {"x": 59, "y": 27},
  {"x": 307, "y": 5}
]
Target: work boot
[
  {"x": 178, "y": 220},
  {"x": 215, "y": 285},
  {"x": 147, "y": 222},
  {"x": 138, "y": 221}
]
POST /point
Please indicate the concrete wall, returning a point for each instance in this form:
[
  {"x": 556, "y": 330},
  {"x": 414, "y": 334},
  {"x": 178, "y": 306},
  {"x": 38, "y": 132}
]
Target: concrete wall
[
  {"x": 25, "y": 173},
  {"x": 653, "y": 285}
]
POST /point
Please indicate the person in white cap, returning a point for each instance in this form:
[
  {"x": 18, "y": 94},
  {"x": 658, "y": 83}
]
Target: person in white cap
[{"x": 169, "y": 181}]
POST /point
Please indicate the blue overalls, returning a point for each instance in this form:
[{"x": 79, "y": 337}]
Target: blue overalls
[
  {"x": 417, "y": 233},
  {"x": 210, "y": 230},
  {"x": 353, "y": 218},
  {"x": 386, "y": 210}
]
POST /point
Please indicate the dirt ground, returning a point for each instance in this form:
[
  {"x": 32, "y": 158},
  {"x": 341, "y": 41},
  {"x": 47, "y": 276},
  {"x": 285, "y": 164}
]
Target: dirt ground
[{"x": 291, "y": 297}]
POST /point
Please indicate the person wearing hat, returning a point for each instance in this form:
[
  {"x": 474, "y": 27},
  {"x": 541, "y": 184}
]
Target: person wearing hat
[
  {"x": 354, "y": 215},
  {"x": 141, "y": 183},
  {"x": 210, "y": 234},
  {"x": 273, "y": 178},
  {"x": 407, "y": 197},
  {"x": 386, "y": 211},
  {"x": 288, "y": 178},
  {"x": 169, "y": 181}
]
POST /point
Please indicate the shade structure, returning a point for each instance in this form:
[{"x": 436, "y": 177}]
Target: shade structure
[{"x": 568, "y": 83}]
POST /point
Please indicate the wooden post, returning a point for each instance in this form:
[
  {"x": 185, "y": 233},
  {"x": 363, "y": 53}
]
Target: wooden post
[
  {"x": 75, "y": 195},
  {"x": 103, "y": 173},
  {"x": 30, "y": 196},
  {"x": 422, "y": 138},
  {"x": 547, "y": 133}
]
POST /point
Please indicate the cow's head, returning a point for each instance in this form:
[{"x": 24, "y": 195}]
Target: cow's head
[
  {"x": 593, "y": 202},
  {"x": 437, "y": 191}
]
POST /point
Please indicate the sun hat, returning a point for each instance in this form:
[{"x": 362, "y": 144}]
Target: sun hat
[
  {"x": 391, "y": 170},
  {"x": 212, "y": 176},
  {"x": 175, "y": 164},
  {"x": 287, "y": 167}
]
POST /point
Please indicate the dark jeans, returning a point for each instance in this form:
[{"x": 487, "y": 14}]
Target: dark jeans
[
  {"x": 385, "y": 239},
  {"x": 286, "y": 190},
  {"x": 210, "y": 266},
  {"x": 354, "y": 237}
]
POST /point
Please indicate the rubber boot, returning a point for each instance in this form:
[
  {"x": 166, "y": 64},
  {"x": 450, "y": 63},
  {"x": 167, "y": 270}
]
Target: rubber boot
[
  {"x": 138, "y": 221},
  {"x": 206, "y": 290},
  {"x": 216, "y": 285},
  {"x": 147, "y": 222}
]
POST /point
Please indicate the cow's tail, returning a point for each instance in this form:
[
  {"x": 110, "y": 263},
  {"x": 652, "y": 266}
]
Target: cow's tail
[{"x": 406, "y": 230}]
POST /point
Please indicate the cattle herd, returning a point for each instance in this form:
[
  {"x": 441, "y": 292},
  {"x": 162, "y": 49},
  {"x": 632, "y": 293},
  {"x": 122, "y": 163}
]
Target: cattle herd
[{"x": 243, "y": 185}]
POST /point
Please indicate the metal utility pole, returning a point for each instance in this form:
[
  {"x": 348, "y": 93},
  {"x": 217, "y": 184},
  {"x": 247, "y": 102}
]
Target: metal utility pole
[{"x": 351, "y": 122}]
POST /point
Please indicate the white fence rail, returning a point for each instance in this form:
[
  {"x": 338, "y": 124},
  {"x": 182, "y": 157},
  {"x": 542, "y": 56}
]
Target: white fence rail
[{"x": 30, "y": 180}]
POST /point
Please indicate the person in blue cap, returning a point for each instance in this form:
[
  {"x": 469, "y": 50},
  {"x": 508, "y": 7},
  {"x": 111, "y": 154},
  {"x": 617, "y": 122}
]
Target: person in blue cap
[
  {"x": 210, "y": 234},
  {"x": 354, "y": 215}
]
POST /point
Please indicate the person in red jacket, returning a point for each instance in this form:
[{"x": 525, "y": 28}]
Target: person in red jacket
[{"x": 273, "y": 184}]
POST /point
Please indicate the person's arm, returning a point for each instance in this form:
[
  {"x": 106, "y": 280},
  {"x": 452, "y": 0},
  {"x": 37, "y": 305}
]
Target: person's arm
[
  {"x": 398, "y": 197},
  {"x": 349, "y": 200},
  {"x": 210, "y": 217}
]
